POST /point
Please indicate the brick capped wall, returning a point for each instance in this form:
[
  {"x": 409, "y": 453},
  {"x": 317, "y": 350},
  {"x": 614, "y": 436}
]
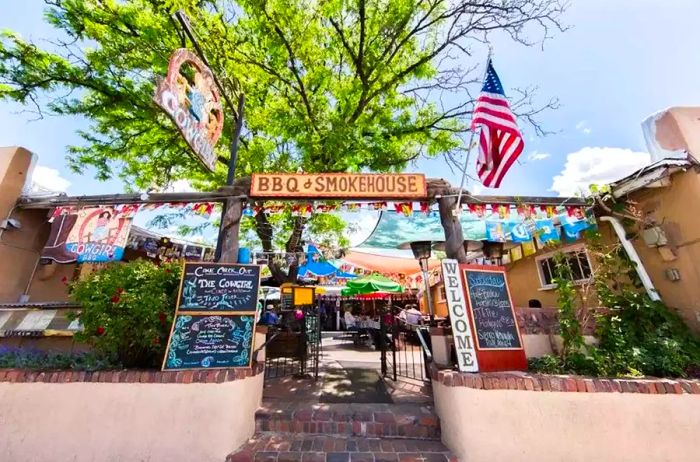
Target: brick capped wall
[
  {"x": 564, "y": 383},
  {"x": 130, "y": 376}
]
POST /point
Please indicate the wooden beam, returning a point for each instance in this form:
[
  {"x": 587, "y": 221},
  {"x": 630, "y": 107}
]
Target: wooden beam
[
  {"x": 29, "y": 202},
  {"x": 437, "y": 188},
  {"x": 239, "y": 190},
  {"x": 532, "y": 200}
]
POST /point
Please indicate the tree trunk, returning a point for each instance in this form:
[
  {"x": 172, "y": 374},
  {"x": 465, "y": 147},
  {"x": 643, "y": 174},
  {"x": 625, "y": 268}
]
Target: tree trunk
[
  {"x": 293, "y": 245},
  {"x": 231, "y": 223},
  {"x": 454, "y": 238}
]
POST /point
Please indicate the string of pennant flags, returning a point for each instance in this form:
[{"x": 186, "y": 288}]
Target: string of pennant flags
[
  {"x": 501, "y": 211},
  {"x": 203, "y": 209},
  {"x": 407, "y": 209}
]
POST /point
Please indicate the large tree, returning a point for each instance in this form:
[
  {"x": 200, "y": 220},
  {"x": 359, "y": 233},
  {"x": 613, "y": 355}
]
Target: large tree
[{"x": 330, "y": 85}]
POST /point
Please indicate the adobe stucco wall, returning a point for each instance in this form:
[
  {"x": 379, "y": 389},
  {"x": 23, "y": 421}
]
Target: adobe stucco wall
[
  {"x": 20, "y": 249},
  {"x": 105, "y": 421},
  {"x": 678, "y": 210},
  {"x": 524, "y": 283},
  {"x": 520, "y": 425}
]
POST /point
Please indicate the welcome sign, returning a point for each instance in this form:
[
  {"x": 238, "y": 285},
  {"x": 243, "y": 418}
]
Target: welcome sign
[
  {"x": 339, "y": 185},
  {"x": 457, "y": 306}
]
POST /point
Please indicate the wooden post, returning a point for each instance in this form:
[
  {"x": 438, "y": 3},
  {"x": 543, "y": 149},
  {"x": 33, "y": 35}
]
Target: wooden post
[
  {"x": 454, "y": 238},
  {"x": 231, "y": 220},
  {"x": 230, "y": 226}
]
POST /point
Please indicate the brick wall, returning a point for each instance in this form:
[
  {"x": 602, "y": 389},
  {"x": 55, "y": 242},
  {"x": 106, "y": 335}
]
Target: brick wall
[
  {"x": 130, "y": 376},
  {"x": 564, "y": 383}
]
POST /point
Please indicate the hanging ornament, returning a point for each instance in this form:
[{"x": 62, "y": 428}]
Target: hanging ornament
[
  {"x": 248, "y": 211},
  {"x": 526, "y": 210},
  {"x": 575, "y": 212},
  {"x": 549, "y": 210},
  {"x": 425, "y": 207},
  {"x": 477, "y": 209},
  {"x": 406, "y": 208},
  {"x": 502, "y": 210}
]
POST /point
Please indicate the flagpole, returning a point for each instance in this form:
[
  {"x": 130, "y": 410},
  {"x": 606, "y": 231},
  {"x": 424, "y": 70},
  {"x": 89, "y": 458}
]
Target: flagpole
[{"x": 463, "y": 183}]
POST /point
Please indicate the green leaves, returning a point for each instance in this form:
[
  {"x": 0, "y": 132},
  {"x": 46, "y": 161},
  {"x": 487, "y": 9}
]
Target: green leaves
[
  {"x": 127, "y": 310},
  {"x": 331, "y": 86},
  {"x": 637, "y": 335}
]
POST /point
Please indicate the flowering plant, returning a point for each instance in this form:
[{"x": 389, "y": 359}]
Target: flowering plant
[{"x": 127, "y": 310}]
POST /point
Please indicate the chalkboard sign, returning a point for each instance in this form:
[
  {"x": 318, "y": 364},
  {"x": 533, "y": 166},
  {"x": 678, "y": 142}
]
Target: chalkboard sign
[
  {"x": 218, "y": 287},
  {"x": 201, "y": 341},
  {"x": 492, "y": 310}
]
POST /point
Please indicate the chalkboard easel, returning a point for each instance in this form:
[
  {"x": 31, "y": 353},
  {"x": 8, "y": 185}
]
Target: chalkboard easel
[
  {"x": 498, "y": 342},
  {"x": 214, "y": 325}
]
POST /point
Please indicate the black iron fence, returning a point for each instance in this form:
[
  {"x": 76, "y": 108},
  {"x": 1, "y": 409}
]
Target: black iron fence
[
  {"x": 293, "y": 347},
  {"x": 407, "y": 350}
]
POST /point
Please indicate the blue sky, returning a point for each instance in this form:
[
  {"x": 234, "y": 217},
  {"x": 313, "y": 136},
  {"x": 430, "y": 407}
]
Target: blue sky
[{"x": 621, "y": 61}]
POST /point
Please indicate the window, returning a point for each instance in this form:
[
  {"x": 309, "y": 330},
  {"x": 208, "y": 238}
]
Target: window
[
  {"x": 576, "y": 259},
  {"x": 441, "y": 293}
]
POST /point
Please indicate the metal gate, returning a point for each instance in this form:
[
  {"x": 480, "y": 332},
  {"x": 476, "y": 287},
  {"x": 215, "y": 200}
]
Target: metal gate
[
  {"x": 405, "y": 349},
  {"x": 293, "y": 348}
]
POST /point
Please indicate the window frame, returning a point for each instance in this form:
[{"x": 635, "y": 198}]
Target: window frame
[{"x": 578, "y": 248}]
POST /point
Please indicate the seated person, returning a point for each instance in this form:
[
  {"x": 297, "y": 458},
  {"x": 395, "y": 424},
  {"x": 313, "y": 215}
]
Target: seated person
[
  {"x": 350, "y": 321},
  {"x": 270, "y": 318},
  {"x": 410, "y": 315}
]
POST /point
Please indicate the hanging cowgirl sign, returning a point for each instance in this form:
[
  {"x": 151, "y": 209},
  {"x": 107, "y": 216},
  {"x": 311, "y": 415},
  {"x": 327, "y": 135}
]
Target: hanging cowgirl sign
[{"x": 193, "y": 104}]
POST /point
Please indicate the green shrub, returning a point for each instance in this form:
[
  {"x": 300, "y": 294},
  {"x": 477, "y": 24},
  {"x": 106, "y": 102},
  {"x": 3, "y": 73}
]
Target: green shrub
[
  {"x": 637, "y": 335},
  {"x": 127, "y": 310},
  {"x": 22, "y": 358}
]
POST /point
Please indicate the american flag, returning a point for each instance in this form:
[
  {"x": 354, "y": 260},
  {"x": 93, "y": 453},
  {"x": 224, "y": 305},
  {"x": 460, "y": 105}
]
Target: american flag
[{"x": 500, "y": 141}]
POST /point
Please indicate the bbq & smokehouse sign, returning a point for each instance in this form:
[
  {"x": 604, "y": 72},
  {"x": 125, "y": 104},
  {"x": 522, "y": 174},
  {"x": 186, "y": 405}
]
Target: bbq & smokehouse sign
[{"x": 340, "y": 185}]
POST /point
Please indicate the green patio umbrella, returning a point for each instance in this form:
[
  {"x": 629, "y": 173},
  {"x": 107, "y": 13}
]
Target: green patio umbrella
[{"x": 369, "y": 284}]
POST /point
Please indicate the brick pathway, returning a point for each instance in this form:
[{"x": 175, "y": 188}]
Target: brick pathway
[
  {"x": 292, "y": 425},
  {"x": 287, "y": 447},
  {"x": 371, "y": 420}
]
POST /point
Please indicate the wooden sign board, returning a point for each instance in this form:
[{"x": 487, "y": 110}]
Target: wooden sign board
[
  {"x": 214, "y": 321},
  {"x": 339, "y": 185},
  {"x": 499, "y": 345},
  {"x": 219, "y": 287},
  {"x": 194, "y": 106}
]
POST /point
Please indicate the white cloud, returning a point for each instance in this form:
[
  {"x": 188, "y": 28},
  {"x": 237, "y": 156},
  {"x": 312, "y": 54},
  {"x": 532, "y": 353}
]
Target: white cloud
[
  {"x": 583, "y": 127},
  {"x": 476, "y": 187},
  {"x": 48, "y": 179},
  {"x": 534, "y": 155},
  {"x": 180, "y": 186},
  {"x": 596, "y": 165}
]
